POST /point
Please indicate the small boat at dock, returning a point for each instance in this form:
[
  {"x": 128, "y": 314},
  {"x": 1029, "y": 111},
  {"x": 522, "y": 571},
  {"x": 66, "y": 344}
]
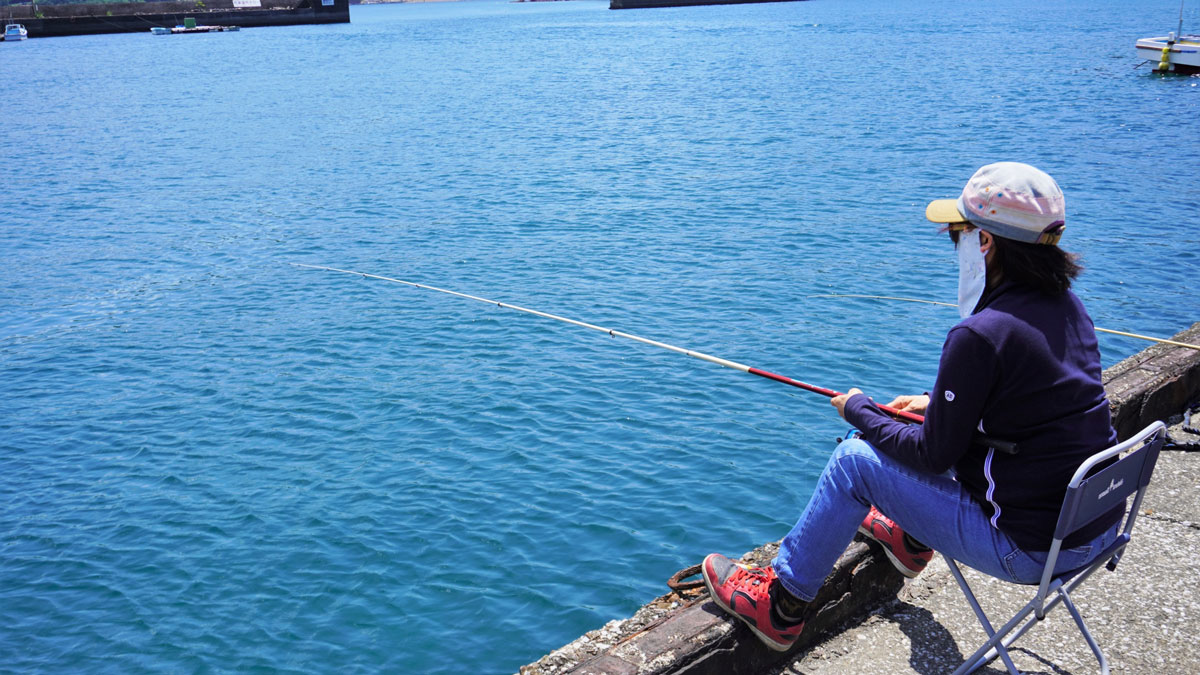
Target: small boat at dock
[
  {"x": 190, "y": 26},
  {"x": 202, "y": 29},
  {"x": 14, "y": 32}
]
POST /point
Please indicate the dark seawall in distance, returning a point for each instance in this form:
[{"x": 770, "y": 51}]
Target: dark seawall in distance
[
  {"x": 63, "y": 20},
  {"x": 645, "y": 4}
]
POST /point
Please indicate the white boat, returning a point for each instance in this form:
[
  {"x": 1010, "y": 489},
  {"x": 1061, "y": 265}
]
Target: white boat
[
  {"x": 182, "y": 30},
  {"x": 14, "y": 32},
  {"x": 1177, "y": 53},
  {"x": 1174, "y": 54},
  {"x": 190, "y": 26}
]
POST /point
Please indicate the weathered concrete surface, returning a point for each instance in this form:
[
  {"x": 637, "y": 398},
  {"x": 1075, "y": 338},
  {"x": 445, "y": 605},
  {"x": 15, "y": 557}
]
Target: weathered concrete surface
[
  {"x": 1146, "y": 612},
  {"x": 1154, "y": 384},
  {"x": 689, "y": 634},
  {"x": 1174, "y": 493},
  {"x": 1145, "y": 615}
]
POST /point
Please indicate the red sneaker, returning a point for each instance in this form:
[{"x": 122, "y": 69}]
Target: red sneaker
[
  {"x": 908, "y": 560},
  {"x": 745, "y": 592}
]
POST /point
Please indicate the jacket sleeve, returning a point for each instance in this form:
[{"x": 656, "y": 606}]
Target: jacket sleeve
[{"x": 965, "y": 379}]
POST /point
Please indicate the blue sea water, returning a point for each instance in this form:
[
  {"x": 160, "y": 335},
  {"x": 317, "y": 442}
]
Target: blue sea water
[{"x": 214, "y": 461}]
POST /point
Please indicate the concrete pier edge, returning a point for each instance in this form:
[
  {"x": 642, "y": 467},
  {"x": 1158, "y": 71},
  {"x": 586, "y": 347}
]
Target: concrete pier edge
[
  {"x": 684, "y": 633},
  {"x": 96, "y": 19}
]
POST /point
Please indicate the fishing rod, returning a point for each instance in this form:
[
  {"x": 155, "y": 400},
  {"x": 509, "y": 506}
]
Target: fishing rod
[
  {"x": 1004, "y": 446},
  {"x": 950, "y": 304}
]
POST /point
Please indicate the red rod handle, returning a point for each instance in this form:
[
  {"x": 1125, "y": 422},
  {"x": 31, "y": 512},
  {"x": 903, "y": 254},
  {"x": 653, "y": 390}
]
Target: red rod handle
[
  {"x": 898, "y": 414},
  {"x": 1008, "y": 447}
]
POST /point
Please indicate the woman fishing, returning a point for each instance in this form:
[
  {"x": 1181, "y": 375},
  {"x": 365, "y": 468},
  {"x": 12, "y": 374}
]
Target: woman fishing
[{"x": 1022, "y": 365}]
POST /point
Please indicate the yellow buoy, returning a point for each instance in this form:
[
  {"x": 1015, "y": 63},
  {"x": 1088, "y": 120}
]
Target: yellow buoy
[{"x": 1164, "y": 61}]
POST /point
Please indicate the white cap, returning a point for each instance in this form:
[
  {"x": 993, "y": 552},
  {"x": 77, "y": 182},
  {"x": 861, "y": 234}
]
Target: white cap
[{"x": 1010, "y": 200}]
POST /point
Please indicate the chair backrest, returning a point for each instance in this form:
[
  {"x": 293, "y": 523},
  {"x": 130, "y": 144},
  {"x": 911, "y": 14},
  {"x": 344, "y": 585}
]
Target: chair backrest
[{"x": 1091, "y": 493}]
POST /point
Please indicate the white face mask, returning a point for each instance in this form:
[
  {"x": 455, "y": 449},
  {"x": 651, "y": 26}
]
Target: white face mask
[{"x": 972, "y": 272}]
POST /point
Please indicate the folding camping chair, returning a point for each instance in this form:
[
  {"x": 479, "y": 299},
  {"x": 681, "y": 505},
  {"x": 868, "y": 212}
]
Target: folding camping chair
[{"x": 1089, "y": 496}]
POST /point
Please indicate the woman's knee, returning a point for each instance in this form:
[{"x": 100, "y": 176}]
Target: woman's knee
[
  {"x": 849, "y": 458},
  {"x": 853, "y": 450}
]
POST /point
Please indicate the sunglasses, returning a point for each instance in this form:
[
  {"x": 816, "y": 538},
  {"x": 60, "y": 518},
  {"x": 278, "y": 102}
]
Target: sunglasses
[{"x": 955, "y": 229}]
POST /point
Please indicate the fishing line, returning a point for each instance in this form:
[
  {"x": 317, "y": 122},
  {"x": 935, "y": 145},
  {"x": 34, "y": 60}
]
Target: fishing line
[
  {"x": 1004, "y": 446},
  {"x": 899, "y": 414},
  {"x": 950, "y": 304}
]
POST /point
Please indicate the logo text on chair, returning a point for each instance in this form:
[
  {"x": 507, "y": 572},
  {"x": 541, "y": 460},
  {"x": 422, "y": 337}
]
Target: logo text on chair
[{"x": 1112, "y": 485}]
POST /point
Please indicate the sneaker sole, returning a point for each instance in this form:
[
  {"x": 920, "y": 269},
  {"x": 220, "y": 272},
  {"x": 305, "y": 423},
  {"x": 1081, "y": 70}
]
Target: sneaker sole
[
  {"x": 887, "y": 550},
  {"x": 729, "y": 610}
]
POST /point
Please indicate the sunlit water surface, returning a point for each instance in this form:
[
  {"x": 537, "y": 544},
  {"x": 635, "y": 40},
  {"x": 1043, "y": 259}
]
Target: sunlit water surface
[{"x": 211, "y": 460}]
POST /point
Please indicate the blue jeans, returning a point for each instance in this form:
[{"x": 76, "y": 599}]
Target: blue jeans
[{"x": 934, "y": 509}]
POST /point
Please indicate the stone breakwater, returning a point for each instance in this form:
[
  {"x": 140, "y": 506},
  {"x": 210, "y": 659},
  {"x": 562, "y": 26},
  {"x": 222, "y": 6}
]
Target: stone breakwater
[
  {"x": 94, "y": 19},
  {"x": 681, "y": 632}
]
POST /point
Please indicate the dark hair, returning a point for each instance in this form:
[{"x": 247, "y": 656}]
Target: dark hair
[{"x": 1044, "y": 267}]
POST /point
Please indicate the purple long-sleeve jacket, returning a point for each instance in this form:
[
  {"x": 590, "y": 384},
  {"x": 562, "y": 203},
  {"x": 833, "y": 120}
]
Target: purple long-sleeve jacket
[{"x": 1025, "y": 367}]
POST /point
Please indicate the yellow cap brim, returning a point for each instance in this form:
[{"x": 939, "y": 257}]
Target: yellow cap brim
[{"x": 944, "y": 211}]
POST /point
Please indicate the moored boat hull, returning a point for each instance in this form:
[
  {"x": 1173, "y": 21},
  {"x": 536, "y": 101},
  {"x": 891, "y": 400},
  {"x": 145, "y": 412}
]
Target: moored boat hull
[
  {"x": 1183, "y": 55},
  {"x": 14, "y": 32}
]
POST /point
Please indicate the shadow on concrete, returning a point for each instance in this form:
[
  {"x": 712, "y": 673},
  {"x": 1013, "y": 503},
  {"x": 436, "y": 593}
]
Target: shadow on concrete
[
  {"x": 1053, "y": 669},
  {"x": 935, "y": 650}
]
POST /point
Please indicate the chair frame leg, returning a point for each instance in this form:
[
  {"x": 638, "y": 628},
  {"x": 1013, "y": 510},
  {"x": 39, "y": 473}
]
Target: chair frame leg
[
  {"x": 1087, "y": 634},
  {"x": 1103, "y": 482},
  {"x": 999, "y": 640},
  {"x": 995, "y": 640}
]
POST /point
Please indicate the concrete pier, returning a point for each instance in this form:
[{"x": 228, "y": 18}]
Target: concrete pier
[
  {"x": 872, "y": 621},
  {"x": 1145, "y": 614},
  {"x": 93, "y": 19}
]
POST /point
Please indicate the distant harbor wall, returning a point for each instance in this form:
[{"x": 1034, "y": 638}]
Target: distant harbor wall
[
  {"x": 682, "y": 633},
  {"x": 647, "y": 4},
  {"x": 140, "y": 17}
]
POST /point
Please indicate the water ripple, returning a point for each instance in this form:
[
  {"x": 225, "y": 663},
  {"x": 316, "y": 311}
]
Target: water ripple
[{"x": 211, "y": 460}]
